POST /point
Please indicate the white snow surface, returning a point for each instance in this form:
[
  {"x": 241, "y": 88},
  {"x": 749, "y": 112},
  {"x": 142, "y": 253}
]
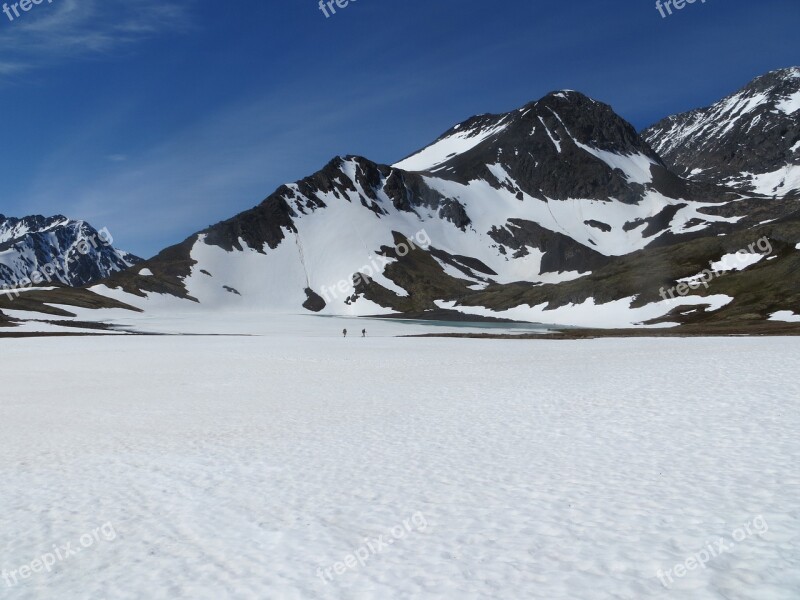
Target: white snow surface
[
  {"x": 41, "y": 325},
  {"x": 790, "y": 104},
  {"x": 458, "y": 142},
  {"x": 236, "y": 467},
  {"x": 737, "y": 261},
  {"x": 787, "y": 316},
  {"x": 611, "y": 315},
  {"x": 635, "y": 166},
  {"x": 781, "y": 181}
]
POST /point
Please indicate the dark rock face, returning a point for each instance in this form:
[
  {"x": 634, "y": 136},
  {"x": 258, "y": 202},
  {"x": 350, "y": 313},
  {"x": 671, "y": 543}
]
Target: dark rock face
[
  {"x": 57, "y": 249},
  {"x": 256, "y": 227},
  {"x": 656, "y": 223},
  {"x": 314, "y": 301},
  {"x": 752, "y": 131},
  {"x": 560, "y": 252},
  {"x": 598, "y": 225}
]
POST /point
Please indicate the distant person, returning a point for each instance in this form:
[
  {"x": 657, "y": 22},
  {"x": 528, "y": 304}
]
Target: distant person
[
  {"x": 344, "y": 332},
  {"x": 363, "y": 333}
]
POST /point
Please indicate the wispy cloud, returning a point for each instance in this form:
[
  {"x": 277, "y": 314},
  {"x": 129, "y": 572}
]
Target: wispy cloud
[{"x": 69, "y": 29}]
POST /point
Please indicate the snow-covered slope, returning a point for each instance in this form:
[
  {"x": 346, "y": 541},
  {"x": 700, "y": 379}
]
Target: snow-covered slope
[
  {"x": 749, "y": 140},
  {"x": 60, "y": 250},
  {"x": 461, "y": 138}
]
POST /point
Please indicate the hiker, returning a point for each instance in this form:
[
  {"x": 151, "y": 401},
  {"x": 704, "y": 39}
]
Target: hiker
[
  {"x": 344, "y": 332},
  {"x": 363, "y": 333}
]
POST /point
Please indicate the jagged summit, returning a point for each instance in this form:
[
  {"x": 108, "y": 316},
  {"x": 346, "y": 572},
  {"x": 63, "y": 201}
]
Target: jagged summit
[
  {"x": 36, "y": 243},
  {"x": 563, "y": 146}
]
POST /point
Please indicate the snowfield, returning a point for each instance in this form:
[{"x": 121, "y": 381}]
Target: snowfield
[{"x": 210, "y": 467}]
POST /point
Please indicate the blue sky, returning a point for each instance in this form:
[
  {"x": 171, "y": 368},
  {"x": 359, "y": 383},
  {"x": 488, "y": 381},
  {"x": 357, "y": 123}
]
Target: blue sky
[{"x": 158, "y": 118}]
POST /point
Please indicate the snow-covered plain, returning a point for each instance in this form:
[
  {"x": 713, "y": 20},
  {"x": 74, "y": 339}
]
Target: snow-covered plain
[{"x": 237, "y": 467}]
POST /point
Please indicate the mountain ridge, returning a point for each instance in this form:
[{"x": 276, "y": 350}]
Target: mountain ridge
[
  {"x": 57, "y": 250},
  {"x": 558, "y": 211}
]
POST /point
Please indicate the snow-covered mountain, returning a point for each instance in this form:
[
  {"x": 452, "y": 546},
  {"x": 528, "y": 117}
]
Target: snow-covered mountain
[
  {"x": 749, "y": 140},
  {"x": 541, "y": 195},
  {"x": 60, "y": 250},
  {"x": 557, "y": 212}
]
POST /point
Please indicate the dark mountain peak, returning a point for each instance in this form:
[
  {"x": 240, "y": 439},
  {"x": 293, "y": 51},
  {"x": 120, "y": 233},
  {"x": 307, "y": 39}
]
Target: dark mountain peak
[
  {"x": 779, "y": 80},
  {"x": 565, "y": 97},
  {"x": 593, "y": 123},
  {"x": 564, "y": 145},
  {"x": 476, "y": 123}
]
